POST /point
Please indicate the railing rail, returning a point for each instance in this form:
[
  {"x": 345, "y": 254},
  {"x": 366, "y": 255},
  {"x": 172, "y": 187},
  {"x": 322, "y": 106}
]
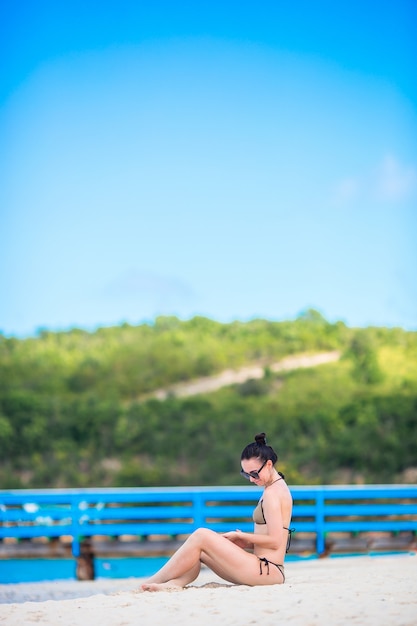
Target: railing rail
[{"x": 142, "y": 512}]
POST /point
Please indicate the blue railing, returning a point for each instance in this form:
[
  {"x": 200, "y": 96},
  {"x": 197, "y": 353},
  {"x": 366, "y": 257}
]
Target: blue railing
[{"x": 173, "y": 512}]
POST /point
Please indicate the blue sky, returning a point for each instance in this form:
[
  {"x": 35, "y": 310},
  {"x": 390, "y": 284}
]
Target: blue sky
[{"x": 226, "y": 159}]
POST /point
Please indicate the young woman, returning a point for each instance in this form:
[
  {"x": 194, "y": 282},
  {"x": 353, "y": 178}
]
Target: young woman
[{"x": 242, "y": 558}]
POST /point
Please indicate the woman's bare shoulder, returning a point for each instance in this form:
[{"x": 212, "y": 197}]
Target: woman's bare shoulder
[{"x": 278, "y": 495}]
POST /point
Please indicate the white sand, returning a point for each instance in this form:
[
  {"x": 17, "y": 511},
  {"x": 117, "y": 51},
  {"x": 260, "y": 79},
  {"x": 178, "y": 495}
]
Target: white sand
[{"x": 362, "y": 591}]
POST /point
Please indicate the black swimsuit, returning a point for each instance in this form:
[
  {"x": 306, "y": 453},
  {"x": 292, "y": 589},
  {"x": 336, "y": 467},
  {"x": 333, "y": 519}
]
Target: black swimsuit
[{"x": 262, "y": 560}]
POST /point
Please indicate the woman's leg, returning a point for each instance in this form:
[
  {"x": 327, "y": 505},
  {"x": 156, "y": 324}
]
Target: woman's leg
[
  {"x": 180, "y": 581},
  {"x": 221, "y": 555},
  {"x": 181, "y": 569}
]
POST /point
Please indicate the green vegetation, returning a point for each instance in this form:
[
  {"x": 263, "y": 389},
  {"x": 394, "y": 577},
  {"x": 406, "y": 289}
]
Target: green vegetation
[{"x": 76, "y": 407}]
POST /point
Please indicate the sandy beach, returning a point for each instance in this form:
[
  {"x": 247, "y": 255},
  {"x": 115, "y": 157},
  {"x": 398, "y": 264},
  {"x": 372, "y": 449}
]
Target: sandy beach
[{"x": 364, "y": 590}]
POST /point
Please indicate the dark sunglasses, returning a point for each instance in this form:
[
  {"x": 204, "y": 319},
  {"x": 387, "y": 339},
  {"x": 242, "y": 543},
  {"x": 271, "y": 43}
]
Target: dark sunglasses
[{"x": 255, "y": 473}]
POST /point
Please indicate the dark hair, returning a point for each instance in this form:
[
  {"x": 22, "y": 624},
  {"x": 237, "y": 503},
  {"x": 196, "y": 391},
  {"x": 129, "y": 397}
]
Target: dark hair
[{"x": 259, "y": 449}]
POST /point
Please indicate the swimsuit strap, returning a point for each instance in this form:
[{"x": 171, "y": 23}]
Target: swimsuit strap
[
  {"x": 265, "y": 561},
  {"x": 290, "y": 532},
  {"x": 281, "y": 570}
]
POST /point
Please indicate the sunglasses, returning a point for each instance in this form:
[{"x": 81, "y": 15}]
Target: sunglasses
[{"x": 255, "y": 473}]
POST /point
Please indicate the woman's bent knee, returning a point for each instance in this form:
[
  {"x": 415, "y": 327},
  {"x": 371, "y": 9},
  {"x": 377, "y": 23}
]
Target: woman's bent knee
[{"x": 203, "y": 534}]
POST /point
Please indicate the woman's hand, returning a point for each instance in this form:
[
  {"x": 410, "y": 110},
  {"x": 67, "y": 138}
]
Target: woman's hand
[{"x": 235, "y": 536}]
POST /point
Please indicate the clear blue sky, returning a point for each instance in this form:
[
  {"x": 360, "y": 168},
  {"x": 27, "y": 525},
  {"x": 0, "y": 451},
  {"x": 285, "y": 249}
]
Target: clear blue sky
[{"x": 229, "y": 159}]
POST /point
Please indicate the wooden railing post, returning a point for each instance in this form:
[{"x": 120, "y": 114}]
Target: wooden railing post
[
  {"x": 198, "y": 509},
  {"x": 320, "y": 517},
  {"x": 75, "y": 516}
]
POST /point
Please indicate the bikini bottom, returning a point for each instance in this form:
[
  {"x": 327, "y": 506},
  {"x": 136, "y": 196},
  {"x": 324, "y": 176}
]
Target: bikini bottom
[{"x": 280, "y": 568}]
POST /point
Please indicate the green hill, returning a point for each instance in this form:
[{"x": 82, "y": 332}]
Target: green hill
[{"x": 73, "y": 410}]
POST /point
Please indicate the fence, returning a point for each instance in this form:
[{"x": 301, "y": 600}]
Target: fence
[{"x": 78, "y": 514}]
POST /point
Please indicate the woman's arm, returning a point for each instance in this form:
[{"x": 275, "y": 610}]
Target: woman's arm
[
  {"x": 243, "y": 540},
  {"x": 250, "y": 540},
  {"x": 274, "y": 536}
]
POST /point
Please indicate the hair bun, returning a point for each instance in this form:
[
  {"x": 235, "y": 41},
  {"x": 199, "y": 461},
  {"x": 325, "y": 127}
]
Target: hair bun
[{"x": 260, "y": 439}]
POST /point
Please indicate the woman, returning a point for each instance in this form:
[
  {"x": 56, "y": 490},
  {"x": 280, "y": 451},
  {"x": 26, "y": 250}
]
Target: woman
[{"x": 227, "y": 554}]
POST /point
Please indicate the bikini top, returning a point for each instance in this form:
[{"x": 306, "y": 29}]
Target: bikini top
[
  {"x": 259, "y": 518},
  {"x": 258, "y": 514}
]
